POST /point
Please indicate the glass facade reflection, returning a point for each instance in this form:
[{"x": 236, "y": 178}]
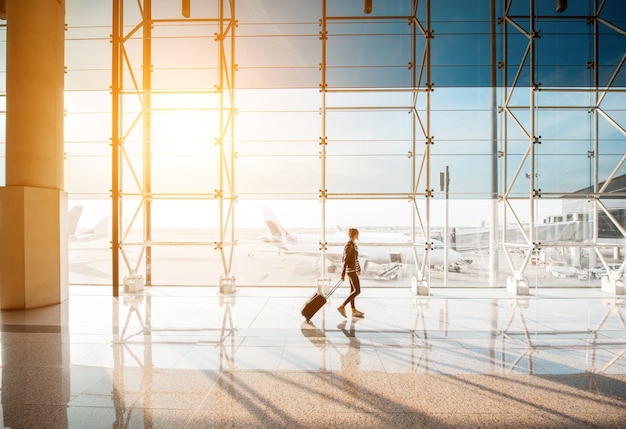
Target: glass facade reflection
[{"x": 487, "y": 134}]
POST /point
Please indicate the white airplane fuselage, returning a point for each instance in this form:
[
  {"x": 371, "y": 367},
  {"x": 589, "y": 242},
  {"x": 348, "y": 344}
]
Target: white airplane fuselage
[{"x": 377, "y": 247}]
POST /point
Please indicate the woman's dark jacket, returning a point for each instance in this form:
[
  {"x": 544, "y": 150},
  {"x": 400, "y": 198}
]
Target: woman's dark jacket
[{"x": 350, "y": 258}]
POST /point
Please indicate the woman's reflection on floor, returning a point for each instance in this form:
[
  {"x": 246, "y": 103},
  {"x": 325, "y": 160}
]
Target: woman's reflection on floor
[{"x": 351, "y": 358}]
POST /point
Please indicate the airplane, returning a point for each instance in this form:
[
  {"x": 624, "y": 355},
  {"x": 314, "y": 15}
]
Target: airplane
[
  {"x": 99, "y": 230},
  {"x": 378, "y": 247}
]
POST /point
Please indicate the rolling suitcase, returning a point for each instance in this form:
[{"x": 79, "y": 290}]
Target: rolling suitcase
[{"x": 315, "y": 302}]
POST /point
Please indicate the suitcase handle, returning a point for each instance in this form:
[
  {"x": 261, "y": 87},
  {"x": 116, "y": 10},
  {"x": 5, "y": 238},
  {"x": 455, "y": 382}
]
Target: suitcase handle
[{"x": 333, "y": 289}]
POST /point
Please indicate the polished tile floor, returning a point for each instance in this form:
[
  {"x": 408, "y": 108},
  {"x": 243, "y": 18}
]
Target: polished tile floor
[{"x": 190, "y": 358}]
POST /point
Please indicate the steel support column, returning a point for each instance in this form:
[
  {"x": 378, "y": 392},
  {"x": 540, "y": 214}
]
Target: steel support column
[
  {"x": 139, "y": 92},
  {"x": 226, "y": 193},
  {"x": 420, "y": 187},
  {"x": 116, "y": 138},
  {"x": 323, "y": 284},
  {"x": 511, "y": 111}
]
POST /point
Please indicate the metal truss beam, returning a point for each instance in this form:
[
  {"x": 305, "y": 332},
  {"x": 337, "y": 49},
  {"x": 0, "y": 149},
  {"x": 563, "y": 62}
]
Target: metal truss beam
[
  {"x": 511, "y": 113},
  {"x": 421, "y": 84},
  {"x": 125, "y": 85}
]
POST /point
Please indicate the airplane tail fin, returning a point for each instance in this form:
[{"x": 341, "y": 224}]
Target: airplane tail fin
[
  {"x": 100, "y": 229},
  {"x": 72, "y": 219},
  {"x": 278, "y": 232}
]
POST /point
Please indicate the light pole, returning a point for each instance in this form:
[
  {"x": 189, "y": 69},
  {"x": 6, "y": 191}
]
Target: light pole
[{"x": 444, "y": 184}]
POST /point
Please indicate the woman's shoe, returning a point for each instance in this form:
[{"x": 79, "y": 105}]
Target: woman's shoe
[
  {"x": 357, "y": 313},
  {"x": 342, "y": 311}
]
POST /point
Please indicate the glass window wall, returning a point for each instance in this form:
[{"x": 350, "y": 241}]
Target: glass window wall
[{"x": 459, "y": 171}]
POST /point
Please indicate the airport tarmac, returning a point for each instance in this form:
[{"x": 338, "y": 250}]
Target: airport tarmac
[{"x": 190, "y": 258}]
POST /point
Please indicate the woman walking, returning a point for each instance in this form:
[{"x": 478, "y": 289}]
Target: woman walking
[{"x": 352, "y": 268}]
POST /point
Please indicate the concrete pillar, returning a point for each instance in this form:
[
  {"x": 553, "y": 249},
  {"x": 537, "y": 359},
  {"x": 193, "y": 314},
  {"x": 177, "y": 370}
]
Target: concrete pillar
[{"x": 33, "y": 205}]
